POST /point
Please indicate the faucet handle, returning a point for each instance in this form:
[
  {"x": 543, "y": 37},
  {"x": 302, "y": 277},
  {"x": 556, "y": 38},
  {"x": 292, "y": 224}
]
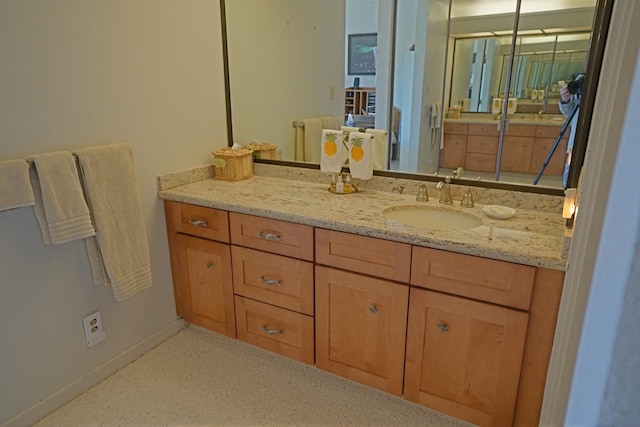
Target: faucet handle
[
  {"x": 422, "y": 193},
  {"x": 467, "y": 199},
  {"x": 457, "y": 174}
]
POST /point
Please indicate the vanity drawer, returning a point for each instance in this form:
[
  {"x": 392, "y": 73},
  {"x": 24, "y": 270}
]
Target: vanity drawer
[
  {"x": 480, "y": 162},
  {"x": 483, "y": 279},
  {"x": 482, "y": 144},
  {"x": 209, "y": 223},
  {"x": 520, "y": 130},
  {"x": 274, "y": 279},
  {"x": 551, "y": 132},
  {"x": 456, "y": 128},
  {"x": 275, "y": 329},
  {"x": 367, "y": 255},
  {"x": 484, "y": 130},
  {"x": 272, "y": 235}
]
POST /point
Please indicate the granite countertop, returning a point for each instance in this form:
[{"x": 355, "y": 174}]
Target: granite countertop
[
  {"x": 556, "y": 120},
  {"x": 531, "y": 237}
]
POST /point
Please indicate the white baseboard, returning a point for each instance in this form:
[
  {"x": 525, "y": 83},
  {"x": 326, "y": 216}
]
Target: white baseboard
[{"x": 55, "y": 400}]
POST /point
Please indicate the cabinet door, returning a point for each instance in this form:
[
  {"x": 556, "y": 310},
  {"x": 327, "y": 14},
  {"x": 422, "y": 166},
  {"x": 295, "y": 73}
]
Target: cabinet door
[
  {"x": 204, "y": 279},
  {"x": 360, "y": 328},
  {"x": 452, "y": 155},
  {"x": 541, "y": 149},
  {"x": 464, "y": 357},
  {"x": 516, "y": 154}
]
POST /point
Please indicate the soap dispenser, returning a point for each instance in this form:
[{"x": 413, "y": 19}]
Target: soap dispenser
[
  {"x": 339, "y": 185},
  {"x": 348, "y": 187}
]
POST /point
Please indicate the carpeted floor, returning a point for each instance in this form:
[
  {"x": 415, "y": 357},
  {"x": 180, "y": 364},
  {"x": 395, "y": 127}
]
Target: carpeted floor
[{"x": 198, "y": 378}]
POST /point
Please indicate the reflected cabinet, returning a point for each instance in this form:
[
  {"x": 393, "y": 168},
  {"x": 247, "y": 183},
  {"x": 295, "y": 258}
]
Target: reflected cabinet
[{"x": 506, "y": 71}]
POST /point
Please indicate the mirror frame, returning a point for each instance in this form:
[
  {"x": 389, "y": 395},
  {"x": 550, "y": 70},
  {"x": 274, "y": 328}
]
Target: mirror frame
[{"x": 595, "y": 54}]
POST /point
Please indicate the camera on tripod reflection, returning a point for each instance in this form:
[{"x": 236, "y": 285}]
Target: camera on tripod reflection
[{"x": 575, "y": 85}]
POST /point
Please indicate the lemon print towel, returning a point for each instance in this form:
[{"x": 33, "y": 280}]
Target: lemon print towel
[
  {"x": 360, "y": 159},
  {"x": 331, "y": 151}
]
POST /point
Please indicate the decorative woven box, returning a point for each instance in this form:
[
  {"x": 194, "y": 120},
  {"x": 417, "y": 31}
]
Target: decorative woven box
[
  {"x": 232, "y": 165},
  {"x": 262, "y": 150},
  {"x": 454, "y": 112}
]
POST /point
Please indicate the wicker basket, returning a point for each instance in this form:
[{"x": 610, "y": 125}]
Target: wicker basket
[
  {"x": 262, "y": 150},
  {"x": 232, "y": 165}
]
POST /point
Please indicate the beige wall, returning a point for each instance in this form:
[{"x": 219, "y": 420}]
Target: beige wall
[
  {"x": 286, "y": 63},
  {"x": 77, "y": 73}
]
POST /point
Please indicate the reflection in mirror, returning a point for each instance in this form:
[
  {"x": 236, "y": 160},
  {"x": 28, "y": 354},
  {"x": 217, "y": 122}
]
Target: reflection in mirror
[
  {"x": 288, "y": 62},
  {"x": 503, "y": 116}
]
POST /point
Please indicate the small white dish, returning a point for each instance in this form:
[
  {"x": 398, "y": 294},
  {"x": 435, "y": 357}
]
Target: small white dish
[{"x": 499, "y": 212}]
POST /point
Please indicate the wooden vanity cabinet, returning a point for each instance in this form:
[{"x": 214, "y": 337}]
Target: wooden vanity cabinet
[
  {"x": 479, "y": 336},
  {"x": 453, "y": 153},
  {"x": 274, "y": 284},
  {"x": 544, "y": 140},
  {"x": 201, "y": 266},
  {"x": 361, "y": 314},
  {"x": 464, "y": 357},
  {"x": 525, "y": 147},
  {"x": 461, "y": 334}
]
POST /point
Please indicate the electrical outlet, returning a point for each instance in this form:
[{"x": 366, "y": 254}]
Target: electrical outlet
[{"x": 93, "y": 331}]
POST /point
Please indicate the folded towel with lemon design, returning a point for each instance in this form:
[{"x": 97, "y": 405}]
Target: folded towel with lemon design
[
  {"x": 360, "y": 158},
  {"x": 331, "y": 151}
]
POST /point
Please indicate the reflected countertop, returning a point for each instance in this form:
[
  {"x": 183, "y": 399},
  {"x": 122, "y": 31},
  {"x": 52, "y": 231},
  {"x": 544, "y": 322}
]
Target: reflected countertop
[
  {"x": 517, "y": 119},
  {"x": 531, "y": 237}
]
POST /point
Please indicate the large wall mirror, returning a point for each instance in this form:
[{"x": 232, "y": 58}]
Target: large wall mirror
[{"x": 453, "y": 83}]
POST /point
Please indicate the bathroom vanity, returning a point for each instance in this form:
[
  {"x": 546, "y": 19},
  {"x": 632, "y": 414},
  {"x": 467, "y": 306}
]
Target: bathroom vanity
[
  {"x": 472, "y": 142},
  {"x": 460, "y": 321}
]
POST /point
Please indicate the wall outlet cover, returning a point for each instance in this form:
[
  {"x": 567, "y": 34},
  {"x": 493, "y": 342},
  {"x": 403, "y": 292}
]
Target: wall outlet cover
[{"x": 93, "y": 331}]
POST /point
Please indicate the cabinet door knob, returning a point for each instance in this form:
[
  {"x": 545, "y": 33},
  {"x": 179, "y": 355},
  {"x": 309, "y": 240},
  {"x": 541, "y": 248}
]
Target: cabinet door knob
[
  {"x": 270, "y": 282},
  {"x": 442, "y": 327},
  {"x": 271, "y": 331},
  {"x": 209, "y": 265},
  {"x": 198, "y": 223},
  {"x": 373, "y": 309},
  {"x": 269, "y": 236}
]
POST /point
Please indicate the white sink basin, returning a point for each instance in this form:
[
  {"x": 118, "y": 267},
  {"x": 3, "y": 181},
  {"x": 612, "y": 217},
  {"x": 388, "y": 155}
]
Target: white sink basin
[{"x": 431, "y": 218}]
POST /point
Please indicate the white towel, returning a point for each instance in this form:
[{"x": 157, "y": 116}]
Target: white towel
[
  {"x": 331, "y": 151},
  {"x": 331, "y": 122},
  {"x": 312, "y": 134},
  {"x": 379, "y": 148},
  {"x": 15, "y": 188},
  {"x": 60, "y": 206},
  {"x": 360, "y": 160},
  {"x": 119, "y": 253}
]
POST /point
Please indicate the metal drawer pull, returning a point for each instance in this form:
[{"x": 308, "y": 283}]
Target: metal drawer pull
[
  {"x": 269, "y": 236},
  {"x": 270, "y": 282},
  {"x": 373, "y": 309},
  {"x": 442, "y": 327},
  {"x": 198, "y": 223},
  {"x": 271, "y": 331}
]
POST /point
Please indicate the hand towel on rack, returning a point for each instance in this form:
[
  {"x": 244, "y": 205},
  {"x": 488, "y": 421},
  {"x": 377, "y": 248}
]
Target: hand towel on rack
[
  {"x": 360, "y": 160},
  {"x": 312, "y": 134},
  {"x": 60, "y": 206},
  {"x": 331, "y": 151},
  {"x": 15, "y": 188},
  {"x": 379, "y": 148},
  {"x": 331, "y": 122},
  {"x": 119, "y": 253}
]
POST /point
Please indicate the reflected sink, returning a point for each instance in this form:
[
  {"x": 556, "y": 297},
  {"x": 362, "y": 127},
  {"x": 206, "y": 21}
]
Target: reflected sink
[{"x": 431, "y": 218}]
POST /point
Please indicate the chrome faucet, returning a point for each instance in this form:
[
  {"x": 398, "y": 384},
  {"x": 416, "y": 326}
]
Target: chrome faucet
[
  {"x": 422, "y": 193},
  {"x": 445, "y": 191}
]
